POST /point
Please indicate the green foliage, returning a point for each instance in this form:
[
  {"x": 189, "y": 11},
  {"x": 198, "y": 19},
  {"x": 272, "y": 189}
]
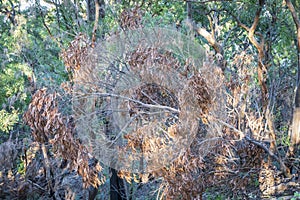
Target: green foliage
[
  {"x": 284, "y": 138},
  {"x": 296, "y": 196},
  {"x": 214, "y": 195},
  {"x": 14, "y": 72},
  {"x": 13, "y": 82},
  {"x": 8, "y": 120},
  {"x": 167, "y": 12},
  {"x": 13, "y": 94},
  {"x": 30, "y": 59},
  {"x": 21, "y": 167}
]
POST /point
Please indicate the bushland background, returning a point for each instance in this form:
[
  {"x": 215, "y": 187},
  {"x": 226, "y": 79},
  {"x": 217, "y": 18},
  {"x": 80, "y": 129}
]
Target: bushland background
[{"x": 255, "y": 43}]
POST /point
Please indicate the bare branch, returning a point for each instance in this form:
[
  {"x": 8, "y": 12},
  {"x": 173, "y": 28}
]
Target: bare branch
[
  {"x": 36, "y": 185},
  {"x": 251, "y": 31},
  {"x": 208, "y": 36},
  {"x": 242, "y": 135},
  {"x": 136, "y": 101},
  {"x": 283, "y": 167}
]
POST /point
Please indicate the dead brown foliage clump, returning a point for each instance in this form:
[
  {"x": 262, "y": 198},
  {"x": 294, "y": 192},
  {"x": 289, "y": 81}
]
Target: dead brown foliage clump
[
  {"x": 74, "y": 55},
  {"x": 141, "y": 85},
  {"x": 131, "y": 18},
  {"x": 142, "y": 57},
  {"x": 202, "y": 92},
  {"x": 48, "y": 125}
]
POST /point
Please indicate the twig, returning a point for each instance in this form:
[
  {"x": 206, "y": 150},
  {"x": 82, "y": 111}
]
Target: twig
[
  {"x": 36, "y": 185},
  {"x": 242, "y": 135}
]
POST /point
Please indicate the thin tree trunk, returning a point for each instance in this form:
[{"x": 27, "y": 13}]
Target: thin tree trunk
[
  {"x": 47, "y": 168},
  {"x": 117, "y": 187},
  {"x": 94, "y": 6},
  {"x": 295, "y": 135}
]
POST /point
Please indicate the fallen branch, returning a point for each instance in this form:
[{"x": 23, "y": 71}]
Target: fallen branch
[{"x": 283, "y": 168}]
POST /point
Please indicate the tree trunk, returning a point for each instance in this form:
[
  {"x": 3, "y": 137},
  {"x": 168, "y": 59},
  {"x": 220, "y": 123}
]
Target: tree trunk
[
  {"x": 91, "y": 9},
  {"x": 117, "y": 188}
]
